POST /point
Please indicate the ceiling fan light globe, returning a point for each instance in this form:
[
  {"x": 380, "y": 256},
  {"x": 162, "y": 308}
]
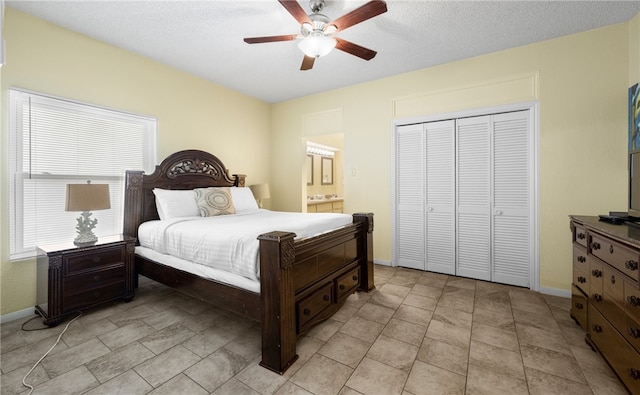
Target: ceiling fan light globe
[{"x": 317, "y": 46}]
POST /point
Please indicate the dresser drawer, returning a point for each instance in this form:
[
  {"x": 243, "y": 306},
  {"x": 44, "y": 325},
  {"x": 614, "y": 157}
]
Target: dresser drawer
[
  {"x": 92, "y": 296},
  {"x": 617, "y": 255},
  {"x": 632, "y": 331},
  {"x": 619, "y": 353},
  {"x": 580, "y": 268},
  {"x": 632, "y": 299},
  {"x": 90, "y": 280},
  {"x": 313, "y": 305},
  {"x": 580, "y": 235},
  {"x": 613, "y": 291},
  {"x": 347, "y": 283},
  {"x": 91, "y": 260},
  {"x": 579, "y": 307}
]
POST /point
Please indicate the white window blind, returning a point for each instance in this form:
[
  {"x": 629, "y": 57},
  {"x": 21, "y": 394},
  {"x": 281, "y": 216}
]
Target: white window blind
[{"x": 55, "y": 142}]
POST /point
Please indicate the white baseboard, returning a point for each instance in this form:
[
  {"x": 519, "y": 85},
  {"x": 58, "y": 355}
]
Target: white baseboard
[
  {"x": 17, "y": 315},
  {"x": 380, "y": 262},
  {"x": 555, "y": 292}
]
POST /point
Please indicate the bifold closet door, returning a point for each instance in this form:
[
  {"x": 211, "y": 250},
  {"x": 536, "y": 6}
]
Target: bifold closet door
[
  {"x": 440, "y": 193},
  {"x": 410, "y": 221},
  {"x": 473, "y": 189}
]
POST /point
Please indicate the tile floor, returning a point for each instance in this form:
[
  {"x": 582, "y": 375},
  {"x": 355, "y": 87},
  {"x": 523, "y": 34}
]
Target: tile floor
[{"x": 417, "y": 333}]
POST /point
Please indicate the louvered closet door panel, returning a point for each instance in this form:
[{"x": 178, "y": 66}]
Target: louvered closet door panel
[
  {"x": 511, "y": 198},
  {"x": 473, "y": 198},
  {"x": 410, "y": 226},
  {"x": 440, "y": 196}
]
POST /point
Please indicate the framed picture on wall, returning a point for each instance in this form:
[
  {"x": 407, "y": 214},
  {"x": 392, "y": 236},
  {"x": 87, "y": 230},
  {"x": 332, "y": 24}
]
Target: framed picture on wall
[
  {"x": 327, "y": 171},
  {"x": 309, "y": 169}
]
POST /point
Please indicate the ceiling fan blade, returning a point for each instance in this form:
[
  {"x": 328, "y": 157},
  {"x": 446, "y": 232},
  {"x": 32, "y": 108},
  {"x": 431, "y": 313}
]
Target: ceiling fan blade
[
  {"x": 360, "y": 14},
  {"x": 296, "y": 11},
  {"x": 270, "y": 39},
  {"x": 355, "y": 49},
  {"x": 307, "y": 63}
]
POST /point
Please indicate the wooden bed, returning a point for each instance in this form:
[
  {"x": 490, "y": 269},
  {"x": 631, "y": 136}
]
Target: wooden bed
[{"x": 302, "y": 282}]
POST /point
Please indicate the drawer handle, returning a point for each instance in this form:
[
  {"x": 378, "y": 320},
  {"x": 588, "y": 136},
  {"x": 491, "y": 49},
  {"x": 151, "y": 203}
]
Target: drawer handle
[
  {"x": 326, "y": 298},
  {"x": 611, "y": 249},
  {"x": 613, "y": 279},
  {"x": 306, "y": 311},
  {"x": 96, "y": 259},
  {"x": 341, "y": 286},
  {"x": 582, "y": 280},
  {"x": 597, "y": 297},
  {"x": 634, "y": 332},
  {"x": 354, "y": 278},
  {"x": 634, "y": 373},
  {"x": 581, "y": 236},
  {"x": 595, "y": 245},
  {"x": 596, "y": 273},
  {"x": 96, "y": 277},
  {"x": 633, "y": 300},
  {"x": 581, "y": 259},
  {"x": 597, "y": 328},
  {"x": 579, "y": 306},
  {"x": 631, "y": 264}
]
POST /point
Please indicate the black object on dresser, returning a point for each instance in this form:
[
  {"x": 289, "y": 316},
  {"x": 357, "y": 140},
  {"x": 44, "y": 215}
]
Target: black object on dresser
[
  {"x": 605, "y": 297},
  {"x": 71, "y": 278}
]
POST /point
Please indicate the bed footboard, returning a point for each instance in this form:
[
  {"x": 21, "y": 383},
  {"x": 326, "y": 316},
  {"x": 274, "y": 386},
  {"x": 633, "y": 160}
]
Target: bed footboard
[{"x": 304, "y": 282}]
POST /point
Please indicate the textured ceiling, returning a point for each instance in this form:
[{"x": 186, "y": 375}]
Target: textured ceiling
[{"x": 204, "y": 38}]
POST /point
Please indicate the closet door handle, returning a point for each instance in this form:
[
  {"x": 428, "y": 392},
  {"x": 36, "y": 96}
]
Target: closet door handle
[
  {"x": 430, "y": 209},
  {"x": 498, "y": 212}
]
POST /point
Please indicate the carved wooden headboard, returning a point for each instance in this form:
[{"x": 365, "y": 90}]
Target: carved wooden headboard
[{"x": 187, "y": 169}]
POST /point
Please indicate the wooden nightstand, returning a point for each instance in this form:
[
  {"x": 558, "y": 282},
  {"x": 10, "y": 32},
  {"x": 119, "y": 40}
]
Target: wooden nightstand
[{"x": 71, "y": 278}]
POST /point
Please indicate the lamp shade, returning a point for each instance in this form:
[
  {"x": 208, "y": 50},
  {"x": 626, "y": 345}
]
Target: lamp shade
[
  {"x": 316, "y": 46},
  {"x": 260, "y": 191},
  {"x": 87, "y": 197}
]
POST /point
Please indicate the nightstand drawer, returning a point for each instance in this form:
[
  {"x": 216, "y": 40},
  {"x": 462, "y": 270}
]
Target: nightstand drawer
[
  {"x": 74, "y": 285},
  {"x": 92, "y": 260},
  {"x": 93, "y": 296}
]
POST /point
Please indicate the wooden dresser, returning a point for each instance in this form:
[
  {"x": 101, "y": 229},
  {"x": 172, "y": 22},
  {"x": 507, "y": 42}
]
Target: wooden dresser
[{"x": 605, "y": 297}]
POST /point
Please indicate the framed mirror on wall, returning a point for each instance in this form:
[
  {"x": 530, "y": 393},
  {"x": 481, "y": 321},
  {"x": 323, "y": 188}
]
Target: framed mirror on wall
[
  {"x": 326, "y": 171},
  {"x": 309, "y": 169}
]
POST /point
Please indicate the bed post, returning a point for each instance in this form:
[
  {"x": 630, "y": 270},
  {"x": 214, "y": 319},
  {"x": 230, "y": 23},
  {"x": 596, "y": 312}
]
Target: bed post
[
  {"x": 132, "y": 203},
  {"x": 365, "y": 250},
  {"x": 277, "y": 255}
]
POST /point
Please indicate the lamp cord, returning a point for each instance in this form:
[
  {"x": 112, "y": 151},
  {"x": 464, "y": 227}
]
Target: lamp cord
[{"x": 47, "y": 353}]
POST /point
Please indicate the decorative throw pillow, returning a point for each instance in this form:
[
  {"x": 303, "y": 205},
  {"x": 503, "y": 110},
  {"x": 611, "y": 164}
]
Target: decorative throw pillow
[
  {"x": 214, "y": 201},
  {"x": 243, "y": 200},
  {"x": 175, "y": 203}
]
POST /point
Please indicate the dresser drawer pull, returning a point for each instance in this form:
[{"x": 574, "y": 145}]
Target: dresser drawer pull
[
  {"x": 597, "y": 297},
  {"x": 634, "y": 373},
  {"x": 354, "y": 278},
  {"x": 633, "y": 300},
  {"x": 582, "y": 280},
  {"x": 579, "y": 306},
  {"x": 596, "y": 273},
  {"x": 306, "y": 311},
  {"x": 634, "y": 332},
  {"x": 611, "y": 249},
  {"x": 613, "y": 279},
  {"x": 581, "y": 236},
  {"x": 326, "y": 298},
  {"x": 581, "y": 259},
  {"x": 631, "y": 265},
  {"x": 595, "y": 245},
  {"x": 341, "y": 286},
  {"x": 597, "y": 328}
]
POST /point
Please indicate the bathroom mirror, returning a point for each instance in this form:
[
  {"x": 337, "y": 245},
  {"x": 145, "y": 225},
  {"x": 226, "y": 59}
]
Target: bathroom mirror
[
  {"x": 327, "y": 171},
  {"x": 309, "y": 169}
]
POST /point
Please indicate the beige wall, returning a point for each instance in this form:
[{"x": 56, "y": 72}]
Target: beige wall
[
  {"x": 581, "y": 84},
  {"x": 191, "y": 112}
]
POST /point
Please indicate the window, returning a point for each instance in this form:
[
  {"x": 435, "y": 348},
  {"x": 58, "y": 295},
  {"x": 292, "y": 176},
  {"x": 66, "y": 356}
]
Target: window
[{"x": 55, "y": 142}]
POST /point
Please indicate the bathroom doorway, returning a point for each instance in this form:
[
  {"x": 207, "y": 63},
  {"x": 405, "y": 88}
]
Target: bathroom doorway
[{"x": 325, "y": 173}]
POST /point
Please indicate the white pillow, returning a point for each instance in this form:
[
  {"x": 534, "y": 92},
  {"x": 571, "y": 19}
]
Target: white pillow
[
  {"x": 243, "y": 200},
  {"x": 176, "y": 203}
]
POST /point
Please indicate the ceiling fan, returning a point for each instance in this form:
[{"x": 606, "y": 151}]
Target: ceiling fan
[{"x": 317, "y": 31}]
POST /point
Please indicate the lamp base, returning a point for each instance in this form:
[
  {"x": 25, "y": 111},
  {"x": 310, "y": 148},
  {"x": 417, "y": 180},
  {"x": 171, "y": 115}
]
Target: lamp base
[{"x": 84, "y": 229}]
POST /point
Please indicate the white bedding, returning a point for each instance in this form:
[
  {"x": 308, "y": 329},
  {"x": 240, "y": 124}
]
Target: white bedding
[{"x": 229, "y": 242}]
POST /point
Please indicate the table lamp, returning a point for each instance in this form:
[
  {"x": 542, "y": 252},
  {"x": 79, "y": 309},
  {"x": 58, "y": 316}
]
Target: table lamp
[
  {"x": 85, "y": 198},
  {"x": 260, "y": 192}
]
